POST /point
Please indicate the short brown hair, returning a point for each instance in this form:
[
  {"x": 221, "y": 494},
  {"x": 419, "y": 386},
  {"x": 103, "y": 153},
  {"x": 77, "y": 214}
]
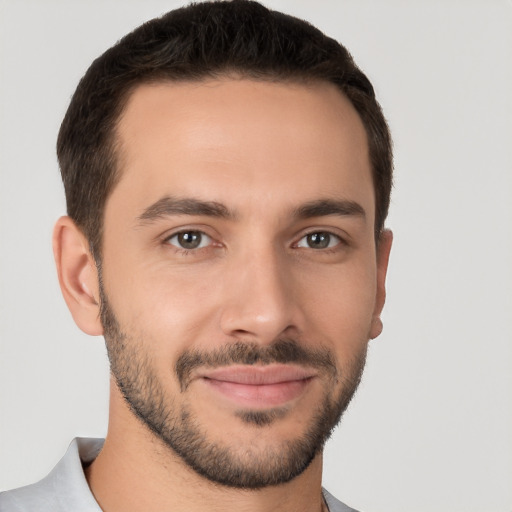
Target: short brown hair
[{"x": 203, "y": 40}]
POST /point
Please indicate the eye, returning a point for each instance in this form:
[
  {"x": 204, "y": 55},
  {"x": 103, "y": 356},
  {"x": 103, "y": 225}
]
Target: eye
[
  {"x": 319, "y": 240},
  {"x": 189, "y": 240}
]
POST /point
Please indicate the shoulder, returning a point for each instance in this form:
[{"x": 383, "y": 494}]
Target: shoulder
[
  {"x": 30, "y": 498},
  {"x": 336, "y": 505},
  {"x": 64, "y": 489}
]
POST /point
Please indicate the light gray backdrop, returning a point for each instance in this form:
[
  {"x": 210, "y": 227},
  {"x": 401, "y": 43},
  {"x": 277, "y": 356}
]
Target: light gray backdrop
[{"x": 431, "y": 427}]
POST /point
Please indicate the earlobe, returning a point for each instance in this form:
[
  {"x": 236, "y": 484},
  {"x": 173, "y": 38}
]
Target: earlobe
[
  {"x": 383, "y": 250},
  {"x": 376, "y": 328},
  {"x": 78, "y": 276}
]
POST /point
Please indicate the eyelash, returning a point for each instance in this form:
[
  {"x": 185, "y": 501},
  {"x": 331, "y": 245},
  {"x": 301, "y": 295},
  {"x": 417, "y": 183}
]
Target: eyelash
[
  {"x": 328, "y": 249},
  {"x": 190, "y": 251},
  {"x": 185, "y": 251}
]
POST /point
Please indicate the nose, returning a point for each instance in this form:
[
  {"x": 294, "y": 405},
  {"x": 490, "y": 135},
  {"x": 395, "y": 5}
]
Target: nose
[{"x": 260, "y": 304}]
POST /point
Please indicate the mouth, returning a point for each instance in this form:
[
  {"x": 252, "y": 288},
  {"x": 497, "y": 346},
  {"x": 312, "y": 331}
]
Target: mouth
[{"x": 258, "y": 387}]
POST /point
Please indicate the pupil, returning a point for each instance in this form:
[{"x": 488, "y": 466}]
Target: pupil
[
  {"x": 189, "y": 239},
  {"x": 319, "y": 240}
]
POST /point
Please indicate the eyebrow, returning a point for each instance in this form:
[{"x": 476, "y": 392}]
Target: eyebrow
[
  {"x": 167, "y": 206},
  {"x": 325, "y": 207}
]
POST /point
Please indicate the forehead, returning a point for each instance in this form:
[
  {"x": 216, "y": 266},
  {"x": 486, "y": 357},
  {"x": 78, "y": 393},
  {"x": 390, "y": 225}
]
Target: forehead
[{"x": 240, "y": 139}]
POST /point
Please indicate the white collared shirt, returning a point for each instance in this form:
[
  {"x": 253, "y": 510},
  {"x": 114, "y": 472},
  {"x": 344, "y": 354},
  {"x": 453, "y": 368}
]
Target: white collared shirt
[{"x": 65, "y": 489}]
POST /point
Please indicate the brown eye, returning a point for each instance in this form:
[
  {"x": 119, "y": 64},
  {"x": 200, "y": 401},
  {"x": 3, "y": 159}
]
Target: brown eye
[{"x": 189, "y": 240}]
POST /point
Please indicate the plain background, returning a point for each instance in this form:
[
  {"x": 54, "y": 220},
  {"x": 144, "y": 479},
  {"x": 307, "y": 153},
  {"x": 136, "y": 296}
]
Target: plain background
[{"x": 431, "y": 426}]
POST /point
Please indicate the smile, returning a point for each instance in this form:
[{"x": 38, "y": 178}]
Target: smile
[{"x": 258, "y": 387}]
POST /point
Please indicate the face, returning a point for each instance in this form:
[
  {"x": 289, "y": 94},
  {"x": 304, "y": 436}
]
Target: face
[{"x": 240, "y": 272}]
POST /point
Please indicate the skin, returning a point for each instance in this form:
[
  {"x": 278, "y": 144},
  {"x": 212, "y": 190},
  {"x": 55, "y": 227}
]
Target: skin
[{"x": 263, "y": 150}]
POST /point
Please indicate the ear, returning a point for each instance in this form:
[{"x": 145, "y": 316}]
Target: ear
[
  {"x": 383, "y": 249},
  {"x": 78, "y": 276}
]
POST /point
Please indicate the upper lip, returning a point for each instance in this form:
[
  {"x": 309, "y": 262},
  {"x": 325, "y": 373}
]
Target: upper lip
[{"x": 258, "y": 375}]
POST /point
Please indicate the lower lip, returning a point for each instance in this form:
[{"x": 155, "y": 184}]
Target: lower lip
[{"x": 259, "y": 396}]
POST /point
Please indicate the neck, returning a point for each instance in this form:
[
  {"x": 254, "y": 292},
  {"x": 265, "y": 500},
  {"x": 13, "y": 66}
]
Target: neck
[{"x": 137, "y": 471}]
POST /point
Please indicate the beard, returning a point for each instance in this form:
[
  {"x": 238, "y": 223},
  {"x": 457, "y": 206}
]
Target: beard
[{"x": 175, "y": 424}]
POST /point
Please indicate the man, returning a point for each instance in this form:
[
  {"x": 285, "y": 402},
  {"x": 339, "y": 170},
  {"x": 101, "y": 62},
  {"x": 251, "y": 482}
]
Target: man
[{"x": 227, "y": 173}]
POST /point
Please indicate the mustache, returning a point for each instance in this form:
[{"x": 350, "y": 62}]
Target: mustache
[{"x": 250, "y": 353}]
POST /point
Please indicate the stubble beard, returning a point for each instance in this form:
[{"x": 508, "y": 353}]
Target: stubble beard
[{"x": 178, "y": 428}]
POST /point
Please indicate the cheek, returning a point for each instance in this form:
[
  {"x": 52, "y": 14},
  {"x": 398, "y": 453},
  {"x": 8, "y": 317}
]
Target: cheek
[
  {"x": 341, "y": 304},
  {"x": 168, "y": 306}
]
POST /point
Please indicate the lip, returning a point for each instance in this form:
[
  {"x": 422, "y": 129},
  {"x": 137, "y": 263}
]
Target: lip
[{"x": 258, "y": 387}]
